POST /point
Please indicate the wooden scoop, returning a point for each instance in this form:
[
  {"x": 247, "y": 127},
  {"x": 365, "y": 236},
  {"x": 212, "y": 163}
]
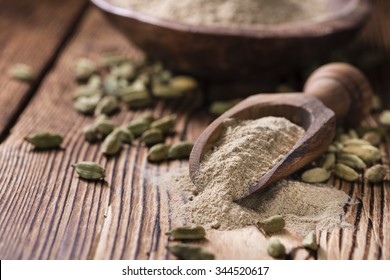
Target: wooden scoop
[{"x": 336, "y": 91}]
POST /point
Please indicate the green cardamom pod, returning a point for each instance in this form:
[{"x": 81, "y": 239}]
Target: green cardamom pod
[
  {"x": 217, "y": 108},
  {"x": 138, "y": 126},
  {"x": 165, "y": 124},
  {"x": 329, "y": 161},
  {"x": 107, "y": 105},
  {"x": 94, "y": 82},
  {"x": 190, "y": 252},
  {"x": 125, "y": 70},
  {"x": 351, "y": 160},
  {"x": 310, "y": 242},
  {"x": 152, "y": 136},
  {"x": 111, "y": 85},
  {"x": 89, "y": 170},
  {"x": 353, "y": 134},
  {"x": 84, "y": 68},
  {"x": 354, "y": 141},
  {"x": 165, "y": 91},
  {"x": 148, "y": 117},
  {"x": 368, "y": 153},
  {"x": 187, "y": 233},
  {"x": 86, "y": 91},
  {"x": 374, "y": 138},
  {"x": 44, "y": 140},
  {"x": 21, "y": 72},
  {"x": 90, "y": 133},
  {"x": 180, "y": 150},
  {"x": 137, "y": 100},
  {"x": 126, "y": 135},
  {"x": 272, "y": 224},
  {"x": 104, "y": 125},
  {"x": 376, "y": 173},
  {"x": 275, "y": 248},
  {"x": 158, "y": 152},
  {"x": 345, "y": 172},
  {"x": 384, "y": 118},
  {"x": 332, "y": 149},
  {"x": 86, "y": 105},
  {"x": 183, "y": 83},
  {"x": 112, "y": 143},
  {"x": 315, "y": 175},
  {"x": 343, "y": 137}
]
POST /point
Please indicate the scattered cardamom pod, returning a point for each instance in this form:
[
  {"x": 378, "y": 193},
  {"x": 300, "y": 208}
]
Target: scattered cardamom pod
[
  {"x": 107, "y": 105},
  {"x": 165, "y": 91},
  {"x": 351, "y": 160},
  {"x": 374, "y": 138},
  {"x": 147, "y": 117},
  {"x": 138, "y": 126},
  {"x": 165, "y": 124},
  {"x": 343, "y": 137},
  {"x": 112, "y": 143},
  {"x": 354, "y": 141},
  {"x": 190, "y": 252},
  {"x": 44, "y": 140},
  {"x": 183, "y": 83},
  {"x": 332, "y": 148},
  {"x": 272, "y": 224},
  {"x": 376, "y": 173},
  {"x": 384, "y": 118},
  {"x": 86, "y": 105},
  {"x": 125, "y": 70},
  {"x": 126, "y": 135},
  {"x": 353, "y": 134},
  {"x": 95, "y": 81},
  {"x": 368, "y": 153},
  {"x": 187, "y": 233},
  {"x": 275, "y": 248},
  {"x": 111, "y": 85},
  {"x": 315, "y": 175},
  {"x": 84, "y": 68},
  {"x": 21, "y": 72},
  {"x": 90, "y": 133},
  {"x": 345, "y": 172},
  {"x": 89, "y": 170},
  {"x": 137, "y": 100},
  {"x": 217, "y": 108},
  {"x": 310, "y": 241},
  {"x": 152, "y": 136},
  {"x": 329, "y": 161},
  {"x": 104, "y": 125},
  {"x": 180, "y": 150},
  {"x": 158, "y": 152},
  {"x": 86, "y": 91}
]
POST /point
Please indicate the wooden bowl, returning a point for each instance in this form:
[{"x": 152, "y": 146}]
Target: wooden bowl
[{"x": 220, "y": 53}]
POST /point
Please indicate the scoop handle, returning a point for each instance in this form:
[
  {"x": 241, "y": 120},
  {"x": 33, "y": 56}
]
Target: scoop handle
[{"x": 343, "y": 89}]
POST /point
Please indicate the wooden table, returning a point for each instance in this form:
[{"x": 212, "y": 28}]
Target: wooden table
[{"x": 46, "y": 212}]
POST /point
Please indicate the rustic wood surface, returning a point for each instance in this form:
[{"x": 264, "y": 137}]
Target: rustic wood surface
[{"x": 46, "y": 212}]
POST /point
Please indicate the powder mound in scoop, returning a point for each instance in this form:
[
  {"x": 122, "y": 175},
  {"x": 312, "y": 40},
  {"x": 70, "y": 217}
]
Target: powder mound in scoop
[{"x": 247, "y": 149}]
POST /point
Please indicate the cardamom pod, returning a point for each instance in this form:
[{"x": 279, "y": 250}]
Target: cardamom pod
[
  {"x": 332, "y": 149},
  {"x": 44, "y": 140},
  {"x": 354, "y": 141},
  {"x": 86, "y": 105},
  {"x": 217, "y": 108},
  {"x": 310, "y": 242},
  {"x": 126, "y": 135},
  {"x": 147, "y": 117},
  {"x": 376, "y": 103},
  {"x": 104, "y": 125},
  {"x": 376, "y": 173},
  {"x": 353, "y": 134},
  {"x": 343, "y": 137},
  {"x": 368, "y": 153},
  {"x": 111, "y": 85},
  {"x": 21, "y": 72},
  {"x": 187, "y": 233},
  {"x": 384, "y": 118},
  {"x": 345, "y": 172},
  {"x": 180, "y": 150},
  {"x": 108, "y": 60},
  {"x": 373, "y": 138},
  {"x": 107, "y": 105},
  {"x": 86, "y": 91},
  {"x": 315, "y": 175},
  {"x": 138, "y": 126},
  {"x": 125, "y": 70},
  {"x": 84, "y": 68},
  {"x": 275, "y": 248},
  {"x": 158, "y": 152},
  {"x": 272, "y": 224},
  {"x": 165, "y": 124},
  {"x": 137, "y": 100},
  {"x": 90, "y": 133},
  {"x": 152, "y": 136},
  {"x": 364, "y": 129},
  {"x": 112, "y": 143},
  {"x": 165, "y": 91},
  {"x": 183, "y": 83},
  {"x": 351, "y": 160},
  {"x": 94, "y": 82},
  {"x": 190, "y": 252},
  {"x": 89, "y": 170},
  {"x": 329, "y": 161}
]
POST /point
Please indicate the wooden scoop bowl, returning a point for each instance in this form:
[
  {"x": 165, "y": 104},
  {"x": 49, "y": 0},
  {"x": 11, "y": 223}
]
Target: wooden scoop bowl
[{"x": 336, "y": 91}]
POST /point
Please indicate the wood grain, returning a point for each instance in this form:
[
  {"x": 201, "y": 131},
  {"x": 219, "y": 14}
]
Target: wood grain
[
  {"x": 46, "y": 212},
  {"x": 31, "y": 32}
]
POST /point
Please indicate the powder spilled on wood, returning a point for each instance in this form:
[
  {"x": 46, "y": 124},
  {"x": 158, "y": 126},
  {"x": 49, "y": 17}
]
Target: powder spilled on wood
[
  {"x": 229, "y": 12},
  {"x": 247, "y": 149}
]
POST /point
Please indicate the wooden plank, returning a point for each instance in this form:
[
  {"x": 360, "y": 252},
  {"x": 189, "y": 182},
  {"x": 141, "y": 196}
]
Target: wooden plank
[
  {"x": 47, "y": 213},
  {"x": 31, "y": 32}
]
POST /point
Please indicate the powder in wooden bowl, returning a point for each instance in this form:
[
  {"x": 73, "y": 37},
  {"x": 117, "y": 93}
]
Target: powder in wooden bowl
[{"x": 230, "y": 12}]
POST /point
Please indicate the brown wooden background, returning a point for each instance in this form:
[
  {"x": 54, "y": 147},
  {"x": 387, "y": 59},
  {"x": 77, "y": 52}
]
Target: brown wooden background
[{"x": 47, "y": 213}]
